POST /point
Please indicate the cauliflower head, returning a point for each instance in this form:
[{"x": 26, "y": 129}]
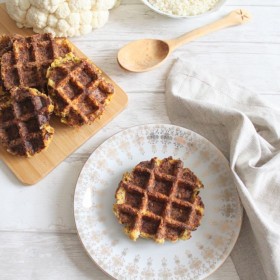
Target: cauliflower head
[{"x": 68, "y": 18}]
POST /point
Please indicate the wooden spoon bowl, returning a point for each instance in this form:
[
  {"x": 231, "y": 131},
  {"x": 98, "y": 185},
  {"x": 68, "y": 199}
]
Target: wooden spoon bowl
[
  {"x": 143, "y": 55},
  {"x": 147, "y": 54}
]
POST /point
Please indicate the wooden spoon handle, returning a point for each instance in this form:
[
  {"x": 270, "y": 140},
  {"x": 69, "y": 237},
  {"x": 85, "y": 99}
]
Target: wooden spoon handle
[{"x": 236, "y": 17}]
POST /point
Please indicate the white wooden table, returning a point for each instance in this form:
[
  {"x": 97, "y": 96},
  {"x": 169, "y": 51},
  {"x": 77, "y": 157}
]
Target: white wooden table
[{"x": 38, "y": 237}]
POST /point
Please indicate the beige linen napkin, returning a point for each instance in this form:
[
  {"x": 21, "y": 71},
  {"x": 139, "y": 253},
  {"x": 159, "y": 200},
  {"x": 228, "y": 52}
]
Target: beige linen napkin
[{"x": 247, "y": 130}]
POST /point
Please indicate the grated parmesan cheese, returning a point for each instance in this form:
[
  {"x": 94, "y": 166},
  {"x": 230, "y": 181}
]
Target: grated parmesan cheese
[{"x": 184, "y": 7}]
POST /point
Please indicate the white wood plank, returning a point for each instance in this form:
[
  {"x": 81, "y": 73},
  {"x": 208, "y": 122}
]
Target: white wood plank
[
  {"x": 46, "y": 256},
  {"x": 249, "y": 54},
  {"x": 144, "y": 22}
]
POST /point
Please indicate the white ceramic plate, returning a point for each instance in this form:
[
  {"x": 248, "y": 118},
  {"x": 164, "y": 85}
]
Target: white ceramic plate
[
  {"x": 155, "y": 9},
  {"x": 103, "y": 237}
]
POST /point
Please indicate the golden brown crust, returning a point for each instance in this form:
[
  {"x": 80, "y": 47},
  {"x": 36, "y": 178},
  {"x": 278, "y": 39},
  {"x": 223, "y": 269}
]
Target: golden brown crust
[
  {"x": 6, "y": 44},
  {"x": 159, "y": 200},
  {"x": 25, "y": 60},
  {"x": 24, "y": 122},
  {"x": 78, "y": 90}
]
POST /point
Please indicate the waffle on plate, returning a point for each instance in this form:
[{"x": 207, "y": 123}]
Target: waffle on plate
[
  {"x": 78, "y": 90},
  {"x": 24, "y": 121},
  {"x": 25, "y": 60},
  {"x": 159, "y": 200}
]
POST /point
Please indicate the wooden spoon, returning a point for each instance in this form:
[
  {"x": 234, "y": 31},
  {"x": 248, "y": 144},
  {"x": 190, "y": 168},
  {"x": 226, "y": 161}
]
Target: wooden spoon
[{"x": 146, "y": 54}]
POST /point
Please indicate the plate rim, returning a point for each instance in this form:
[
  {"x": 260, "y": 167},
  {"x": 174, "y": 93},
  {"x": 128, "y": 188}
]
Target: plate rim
[{"x": 240, "y": 220}]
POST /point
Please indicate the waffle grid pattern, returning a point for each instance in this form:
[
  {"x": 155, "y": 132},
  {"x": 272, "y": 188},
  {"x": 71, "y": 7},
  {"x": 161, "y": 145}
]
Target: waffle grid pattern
[
  {"x": 24, "y": 122},
  {"x": 27, "y": 62},
  {"x": 78, "y": 91},
  {"x": 5, "y": 44},
  {"x": 159, "y": 200}
]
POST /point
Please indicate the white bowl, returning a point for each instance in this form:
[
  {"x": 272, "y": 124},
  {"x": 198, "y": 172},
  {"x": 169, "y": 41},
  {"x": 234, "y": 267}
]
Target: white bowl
[{"x": 214, "y": 9}]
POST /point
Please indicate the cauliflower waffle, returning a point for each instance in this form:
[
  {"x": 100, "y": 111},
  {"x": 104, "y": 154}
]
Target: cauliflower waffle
[
  {"x": 78, "y": 90},
  {"x": 24, "y": 121},
  {"x": 25, "y": 60},
  {"x": 159, "y": 200}
]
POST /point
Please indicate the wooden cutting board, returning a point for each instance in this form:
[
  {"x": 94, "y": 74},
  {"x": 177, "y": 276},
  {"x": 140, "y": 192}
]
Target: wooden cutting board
[{"x": 66, "y": 139}]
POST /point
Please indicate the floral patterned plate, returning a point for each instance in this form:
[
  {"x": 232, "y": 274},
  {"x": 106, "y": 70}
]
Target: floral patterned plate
[{"x": 104, "y": 239}]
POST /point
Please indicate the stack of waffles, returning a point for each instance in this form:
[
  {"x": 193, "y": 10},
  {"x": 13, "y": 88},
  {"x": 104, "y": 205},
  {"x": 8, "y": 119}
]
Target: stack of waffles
[{"x": 41, "y": 75}]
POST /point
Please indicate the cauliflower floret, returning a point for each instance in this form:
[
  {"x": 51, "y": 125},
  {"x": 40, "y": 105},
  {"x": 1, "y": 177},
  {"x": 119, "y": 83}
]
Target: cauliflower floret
[
  {"x": 118, "y": 2},
  {"x": 19, "y": 16},
  {"x": 103, "y": 5},
  {"x": 60, "y": 17},
  {"x": 17, "y": 9},
  {"x": 74, "y": 20},
  {"x": 80, "y": 5},
  {"x": 99, "y": 18},
  {"x": 63, "y": 11},
  {"x": 48, "y": 5},
  {"x": 22, "y": 4},
  {"x": 55, "y": 2},
  {"x": 85, "y": 29},
  {"x": 62, "y": 25},
  {"x": 36, "y": 18},
  {"x": 71, "y": 32},
  {"x": 52, "y": 21},
  {"x": 49, "y": 30},
  {"x": 86, "y": 17}
]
